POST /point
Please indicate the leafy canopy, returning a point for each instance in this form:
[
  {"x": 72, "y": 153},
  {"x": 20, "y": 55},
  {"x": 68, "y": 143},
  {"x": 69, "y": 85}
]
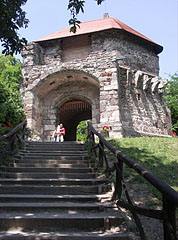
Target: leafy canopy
[
  {"x": 12, "y": 18},
  {"x": 11, "y": 108},
  {"x": 75, "y": 7},
  {"x": 171, "y": 90}
]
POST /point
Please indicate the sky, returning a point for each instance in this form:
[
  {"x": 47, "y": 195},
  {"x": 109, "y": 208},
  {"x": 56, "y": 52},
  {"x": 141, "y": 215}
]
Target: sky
[{"x": 156, "y": 19}]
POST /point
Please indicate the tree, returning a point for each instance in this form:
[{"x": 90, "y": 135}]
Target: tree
[
  {"x": 81, "y": 131},
  {"x": 12, "y": 18},
  {"x": 11, "y": 107},
  {"x": 171, "y": 90},
  {"x": 75, "y": 7}
]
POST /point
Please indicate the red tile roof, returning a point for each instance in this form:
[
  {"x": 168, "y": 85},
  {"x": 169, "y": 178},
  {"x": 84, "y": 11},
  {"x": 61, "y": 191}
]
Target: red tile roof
[{"x": 95, "y": 26}]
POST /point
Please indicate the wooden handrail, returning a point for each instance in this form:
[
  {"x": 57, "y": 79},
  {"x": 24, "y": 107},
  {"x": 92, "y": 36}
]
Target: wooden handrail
[
  {"x": 13, "y": 141},
  {"x": 13, "y": 130},
  {"x": 169, "y": 195},
  {"x": 155, "y": 181}
]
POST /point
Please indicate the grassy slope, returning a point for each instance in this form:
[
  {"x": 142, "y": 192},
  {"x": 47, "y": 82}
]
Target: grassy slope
[{"x": 158, "y": 155}]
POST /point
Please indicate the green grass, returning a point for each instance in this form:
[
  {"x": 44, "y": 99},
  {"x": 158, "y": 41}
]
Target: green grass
[{"x": 158, "y": 155}]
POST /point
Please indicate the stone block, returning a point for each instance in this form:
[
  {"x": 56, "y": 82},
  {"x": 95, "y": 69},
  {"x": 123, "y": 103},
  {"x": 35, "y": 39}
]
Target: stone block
[
  {"x": 111, "y": 87},
  {"x": 115, "y": 134},
  {"x": 49, "y": 127},
  {"x": 104, "y": 120},
  {"x": 112, "y": 108}
]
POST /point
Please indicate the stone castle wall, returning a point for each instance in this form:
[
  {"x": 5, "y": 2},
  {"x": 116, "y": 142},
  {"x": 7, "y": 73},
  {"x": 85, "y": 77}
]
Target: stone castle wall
[{"x": 114, "y": 85}]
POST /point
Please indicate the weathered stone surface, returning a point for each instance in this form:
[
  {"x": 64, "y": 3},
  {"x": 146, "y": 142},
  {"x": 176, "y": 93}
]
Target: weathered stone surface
[{"x": 124, "y": 94}]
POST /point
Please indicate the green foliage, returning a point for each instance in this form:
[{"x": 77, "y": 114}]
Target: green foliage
[
  {"x": 171, "y": 90},
  {"x": 75, "y": 7},
  {"x": 11, "y": 108},
  {"x": 81, "y": 131},
  {"x": 12, "y": 18},
  {"x": 157, "y": 155}
]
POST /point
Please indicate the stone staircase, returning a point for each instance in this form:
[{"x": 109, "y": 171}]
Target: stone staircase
[{"x": 50, "y": 191}]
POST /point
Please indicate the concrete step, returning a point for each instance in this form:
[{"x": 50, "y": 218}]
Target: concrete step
[
  {"x": 52, "y": 154},
  {"x": 20, "y": 235},
  {"x": 55, "y": 147},
  {"x": 47, "y": 165},
  {"x": 56, "y": 152},
  {"x": 65, "y": 143},
  {"x": 51, "y": 188},
  {"x": 28, "y": 198},
  {"x": 54, "y": 182},
  {"x": 47, "y": 175},
  {"x": 63, "y": 207},
  {"x": 41, "y": 189},
  {"x": 53, "y": 221},
  {"x": 52, "y": 157},
  {"x": 50, "y": 161},
  {"x": 48, "y": 170}
]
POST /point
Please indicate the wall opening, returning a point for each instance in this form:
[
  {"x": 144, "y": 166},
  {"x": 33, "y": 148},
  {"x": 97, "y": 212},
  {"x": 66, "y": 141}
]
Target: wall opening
[{"x": 71, "y": 113}]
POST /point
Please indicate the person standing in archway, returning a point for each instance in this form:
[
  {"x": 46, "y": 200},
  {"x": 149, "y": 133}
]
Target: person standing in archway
[
  {"x": 56, "y": 133},
  {"x": 61, "y": 133}
]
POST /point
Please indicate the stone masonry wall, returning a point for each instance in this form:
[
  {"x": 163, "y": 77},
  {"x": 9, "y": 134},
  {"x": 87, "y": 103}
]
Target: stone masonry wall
[
  {"x": 141, "y": 104},
  {"x": 54, "y": 100},
  {"x": 138, "y": 55},
  {"x": 115, "y": 93}
]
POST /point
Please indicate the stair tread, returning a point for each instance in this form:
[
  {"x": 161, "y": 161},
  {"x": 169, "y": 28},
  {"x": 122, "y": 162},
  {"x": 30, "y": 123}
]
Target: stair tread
[
  {"x": 31, "y": 168},
  {"x": 53, "y": 180},
  {"x": 51, "y": 215},
  {"x": 53, "y": 204},
  {"x": 51, "y": 187},
  {"x": 71, "y": 234},
  {"x": 54, "y": 196},
  {"x": 58, "y": 165},
  {"x": 47, "y": 175},
  {"x": 43, "y": 152},
  {"x": 47, "y": 186}
]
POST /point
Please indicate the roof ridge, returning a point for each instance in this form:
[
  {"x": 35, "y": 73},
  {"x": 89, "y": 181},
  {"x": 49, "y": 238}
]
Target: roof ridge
[
  {"x": 53, "y": 33},
  {"x": 96, "y": 25},
  {"x": 132, "y": 29},
  {"x": 99, "y": 19}
]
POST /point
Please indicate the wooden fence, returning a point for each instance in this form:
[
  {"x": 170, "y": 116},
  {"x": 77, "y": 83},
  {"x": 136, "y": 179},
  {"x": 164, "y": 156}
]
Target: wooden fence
[
  {"x": 169, "y": 196},
  {"x": 12, "y": 141}
]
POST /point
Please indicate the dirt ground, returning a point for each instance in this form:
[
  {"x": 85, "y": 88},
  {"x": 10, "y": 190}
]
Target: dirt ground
[{"x": 142, "y": 197}]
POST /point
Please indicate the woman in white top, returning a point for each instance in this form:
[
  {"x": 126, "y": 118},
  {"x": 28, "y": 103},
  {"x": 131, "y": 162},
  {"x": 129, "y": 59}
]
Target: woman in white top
[{"x": 56, "y": 134}]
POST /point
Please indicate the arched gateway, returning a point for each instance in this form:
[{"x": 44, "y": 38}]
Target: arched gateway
[
  {"x": 72, "y": 113},
  {"x": 66, "y": 96},
  {"x": 106, "y": 72}
]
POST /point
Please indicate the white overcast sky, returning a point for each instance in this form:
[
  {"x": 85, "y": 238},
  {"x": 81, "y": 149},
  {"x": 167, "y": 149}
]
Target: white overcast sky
[{"x": 156, "y": 19}]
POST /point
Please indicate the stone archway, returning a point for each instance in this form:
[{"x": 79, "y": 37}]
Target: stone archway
[
  {"x": 71, "y": 113},
  {"x": 53, "y": 96}
]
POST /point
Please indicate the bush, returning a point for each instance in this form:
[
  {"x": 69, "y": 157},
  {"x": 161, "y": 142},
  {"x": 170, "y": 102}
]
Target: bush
[
  {"x": 11, "y": 107},
  {"x": 81, "y": 131},
  {"x": 171, "y": 90}
]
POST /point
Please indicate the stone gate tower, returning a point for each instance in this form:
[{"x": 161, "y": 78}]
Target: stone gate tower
[{"x": 106, "y": 72}]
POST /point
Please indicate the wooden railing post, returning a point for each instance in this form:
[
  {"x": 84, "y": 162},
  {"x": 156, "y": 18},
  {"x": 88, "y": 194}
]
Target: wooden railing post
[
  {"x": 12, "y": 142},
  {"x": 87, "y": 133},
  {"x": 169, "y": 222},
  {"x": 93, "y": 144},
  {"x": 101, "y": 153},
  {"x": 24, "y": 130},
  {"x": 119, "y": 176}
]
